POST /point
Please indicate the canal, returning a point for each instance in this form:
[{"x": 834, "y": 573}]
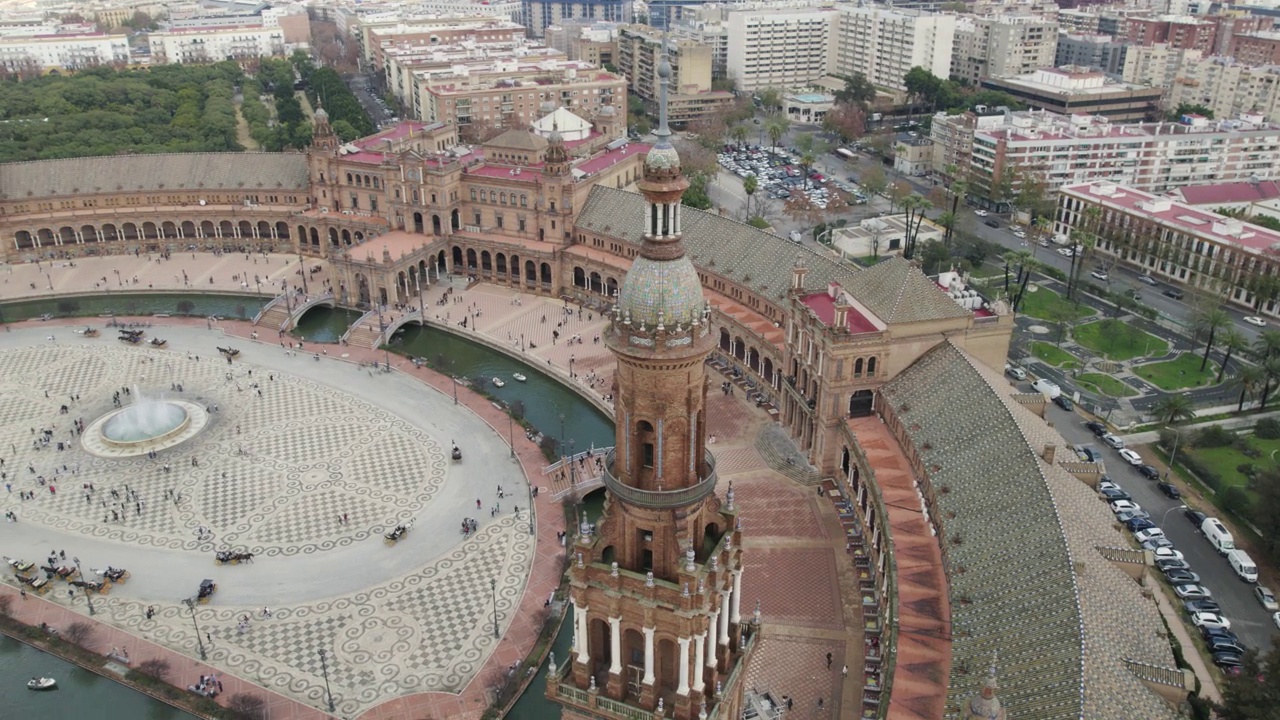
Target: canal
[
  {"x": 324, "y": 324},
  {"x": 198, "y": 305}
]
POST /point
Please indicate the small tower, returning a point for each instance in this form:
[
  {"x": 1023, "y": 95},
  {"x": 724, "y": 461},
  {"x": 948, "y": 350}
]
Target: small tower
[
  {"x": 557, "y": 189},
  {"x": 555, "y": 159},
  {"x": 322, "y": 135},
  {"x": 657, "y": 587},
  {"x": 985, "y": 705}
]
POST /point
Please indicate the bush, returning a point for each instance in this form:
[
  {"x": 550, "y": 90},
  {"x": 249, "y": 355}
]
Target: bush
[
  {"x": 1214, "y": 436},
  {"x": 1236, "y": 500},
  {"x": 248, "y": 705},
  {"x": 185, "y": 307},
  {"x": 80, "y": 633},
  {"x": 1205, "y": 473},
  {"x": 1267, "y": 428},
  {"x": 157, "y": 668},
  {"x": 6, "y": 605},
  {"x": 1168, "y": 438}
]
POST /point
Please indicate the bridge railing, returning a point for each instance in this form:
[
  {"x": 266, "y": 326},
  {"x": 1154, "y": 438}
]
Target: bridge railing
[
  {"x": 265, "y": 308},
  {"x": 347, "y": 335}
]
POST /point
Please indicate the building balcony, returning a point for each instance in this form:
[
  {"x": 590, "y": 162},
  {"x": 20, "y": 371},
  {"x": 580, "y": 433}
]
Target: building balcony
[{"x": 660, "y": 498}]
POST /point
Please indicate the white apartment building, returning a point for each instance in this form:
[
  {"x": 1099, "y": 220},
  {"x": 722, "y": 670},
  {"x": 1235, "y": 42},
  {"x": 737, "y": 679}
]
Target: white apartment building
[
  {"x": 1155, "y": 65},
  {"x": 406, "y": 67},
  {"x": 64, "y": 52},
  {"x": 1176, "y": 243},
  {"x": 202, "y": 45},
  {"x": 884, "y": 44},
  {"x": 778, "y": 47},
  {"x": 1153, "y": 157},
  {"x": 1002, "y": 46},
  {"x": 711, "y": 33},
  {"x": 1226, "y": 87}
]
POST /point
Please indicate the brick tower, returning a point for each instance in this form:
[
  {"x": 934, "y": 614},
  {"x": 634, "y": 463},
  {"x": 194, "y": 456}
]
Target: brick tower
[{"x": 656, "y": 588}]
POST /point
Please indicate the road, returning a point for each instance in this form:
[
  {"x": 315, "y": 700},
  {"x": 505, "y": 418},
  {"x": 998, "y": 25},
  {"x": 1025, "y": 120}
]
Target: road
[
  {"x": 1248, "y": 618},
  {"x": 368, "y": 100}
]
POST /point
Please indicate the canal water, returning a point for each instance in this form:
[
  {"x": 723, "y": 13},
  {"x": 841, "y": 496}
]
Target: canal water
[
  {"x": 325, "y": 325},
  {"x": 198, "y": 305},
  {"x": 80, "y": 693}
]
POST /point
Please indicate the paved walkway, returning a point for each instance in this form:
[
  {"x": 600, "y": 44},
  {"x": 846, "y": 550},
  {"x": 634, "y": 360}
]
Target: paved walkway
[
  {"x": 1231, "y": 423},
  {"x": 1175, "y": 621}
]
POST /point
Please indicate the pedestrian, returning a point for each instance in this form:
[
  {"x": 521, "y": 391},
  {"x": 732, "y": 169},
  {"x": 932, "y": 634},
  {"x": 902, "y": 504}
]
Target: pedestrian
[
  {"x": 828, "y": 661},
  {"x": 344, "y": 519},
  {"x": 845, "y": 671}
]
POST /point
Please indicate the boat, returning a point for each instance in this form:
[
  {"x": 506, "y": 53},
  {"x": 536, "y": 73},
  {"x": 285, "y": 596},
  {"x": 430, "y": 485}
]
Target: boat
[
  {"x": 44, "y": 683},
  {"x": 519, "y": 377},
  {"x": 498, "y": 382}
]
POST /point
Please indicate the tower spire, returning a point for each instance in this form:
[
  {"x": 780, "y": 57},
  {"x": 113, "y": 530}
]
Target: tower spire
[{"x": 664, "y": 80}]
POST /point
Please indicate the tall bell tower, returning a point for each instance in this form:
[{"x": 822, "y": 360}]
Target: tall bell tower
[{"x": 657, "y": 587}]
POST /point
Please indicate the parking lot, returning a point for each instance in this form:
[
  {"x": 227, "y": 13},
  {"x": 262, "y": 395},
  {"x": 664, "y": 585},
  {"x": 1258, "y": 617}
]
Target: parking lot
[{"x": 780, "y": 175}]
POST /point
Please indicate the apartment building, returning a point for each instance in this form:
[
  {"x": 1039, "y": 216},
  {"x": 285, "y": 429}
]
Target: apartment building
[
  {"x": 884, "y": 44},
  {"x": 1091, "y": 50},
  {"x": 707, "y": 27},
  {"x": 538, "y": 15},
  {"x": 406, "y": 67},
  {"x": 1174, "y": 242},
  {"x": 1177, "y": 31},
  {"x": 1154, "y": 65},
  {"x": 596, "y": 43},
  {"x": 1154, "y": 157},
  {"x": 778, "y": 47},
  {"x": 1002, "y": 46},
  {"x": 510, "y": 93},
  {"x": 1227, "y": 87},
  {"x": 690, "y": 95},
  {"x": 952, "y": 139},
  {"x": 204, "y": 45},
  {"x": 361, "y": 22},
  {"x": 1108, "y": 20},
  {"x": 1259, "y": 48},
  {"x": 41, "y": 53},
  {"x": 408, "y": 37},
  {"x": 1069, "y": 90}
]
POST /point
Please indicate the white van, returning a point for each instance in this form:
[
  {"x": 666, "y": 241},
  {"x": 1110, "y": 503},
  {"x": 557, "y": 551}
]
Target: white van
[
  {"x": 1046, "y": 387},
  {"x": 1218, "y": 535},
  {"x": 1243, "y": 565}
]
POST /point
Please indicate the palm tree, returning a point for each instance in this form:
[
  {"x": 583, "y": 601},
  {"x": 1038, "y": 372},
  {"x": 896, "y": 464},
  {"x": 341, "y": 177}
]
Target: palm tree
[
  {"x": 739, "y": 134},
  {"x": 749, "y": 186},
  {"x": 948, "y": 221},
  {"x": 776, "y": 126},
  {"x": 1174, "y": 407},
  {"x": 1251, "y": 379},
  {"x": 1271, "y": 368},
  {"x": 909, "y": 205},
  {"x": 1267, "y": 345},
  {"x": 914, "y": 233},
  {"x": 1234, "y": 341},
  {"x": 1211, "y": 320}
]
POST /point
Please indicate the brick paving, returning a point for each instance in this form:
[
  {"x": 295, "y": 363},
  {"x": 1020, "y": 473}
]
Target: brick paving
[{"x": 802, "y": 577}]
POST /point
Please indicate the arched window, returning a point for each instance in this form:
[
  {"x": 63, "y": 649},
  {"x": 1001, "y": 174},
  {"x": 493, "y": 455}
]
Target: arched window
[
  {"x": 503, "y": 199},
  {"x": 857, "y": 368},
  {"x": 871, "y": 367},
  {"x": 349, "y": 182},
  {"x": 524, "y": 200}
]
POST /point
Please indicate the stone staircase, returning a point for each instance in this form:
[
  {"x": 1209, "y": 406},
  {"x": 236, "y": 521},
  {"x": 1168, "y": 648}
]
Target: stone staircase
[
  {"x": 781, "y": 454},
  {"x": 365, "y": 334},
  {"x": 274, "y": 317}
]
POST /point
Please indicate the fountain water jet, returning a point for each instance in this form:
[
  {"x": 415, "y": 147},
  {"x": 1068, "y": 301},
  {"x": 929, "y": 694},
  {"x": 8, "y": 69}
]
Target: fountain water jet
[{"x": 144, "y": 419}]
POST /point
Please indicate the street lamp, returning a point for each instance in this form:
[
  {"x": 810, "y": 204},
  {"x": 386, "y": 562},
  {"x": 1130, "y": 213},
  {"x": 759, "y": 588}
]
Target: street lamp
[
  {"x": 511, "y": 436},
  {"x": 453, "y": 375},
  {"x": 1177, "y": 435},
  {"x": 1165, "y": 516},
  {"x": 324, "y": 667},
  {"x": 303, "y": 268},
  {"x": 562, "y": 430},
  {"x": 87, "y": 595},
  {"x": 191, "y": 605},
  {"x": 493, "y": 588}
]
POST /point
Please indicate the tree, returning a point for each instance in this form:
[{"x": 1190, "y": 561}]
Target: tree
[
  {"x": 898, "y": 192},
  {"x": 1174, "y": 407},
  {"x": 800, "y": 207},
  {"x": 1210, "y": 321},
  {"x": 739, "y": 133},
  {"x": 847, "y": 120},
  {"x": 1251, "y": 379},
  {"x": 1189, "y": 109},
  {"x": 1082, "y": 239},
  {"x": 922, "y": 86},
  {"x": 811, "y": 147},
  {"x": 80, "y": 633},
  {"x": 157, "y": 668},
  {"x": 248, "y": 705},
  {"x": 775, "y": 126},
  {"x": 749, "y": 186},
  {"x": 1234, "y": 341},
  {"x": 857, "y": 90},
  {"x": 770, "y": 98},
  {"x": 1254, "y": 692},
  {"x": 874, "y": 181}
]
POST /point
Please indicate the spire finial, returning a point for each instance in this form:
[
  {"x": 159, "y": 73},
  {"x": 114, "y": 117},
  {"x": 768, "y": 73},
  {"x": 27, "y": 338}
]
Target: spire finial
[{"x": 664, "y": 80}]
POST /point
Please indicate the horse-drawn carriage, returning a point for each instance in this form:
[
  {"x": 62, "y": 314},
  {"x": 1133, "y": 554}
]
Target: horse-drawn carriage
[
  {"x": 228, "y": 352},
  {"x": 457, "y": 454},
  {"x": 129, "y": 337},
  {"x": 89, "y": 332},
  {"x": 222, "y": 557},
  {"x": 207, "y": 588},
  {"x": 37, "y": 584},
  {"x": 394, "y": 536},
  {"x": 157, "y": 342},
  {"x": 91, "y": 586},
  {"x": 110, "y": 575},
  {"x": 20, "y": 567}
]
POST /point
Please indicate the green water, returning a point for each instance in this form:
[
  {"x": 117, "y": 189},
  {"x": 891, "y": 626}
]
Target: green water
[
  {"x": 324, "y": 324},
  {"x": 195, "y": 304},
  {"x": 545, "y": 399}
]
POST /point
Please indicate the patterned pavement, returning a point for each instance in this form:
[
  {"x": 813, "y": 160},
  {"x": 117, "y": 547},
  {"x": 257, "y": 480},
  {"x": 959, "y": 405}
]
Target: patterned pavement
[{"x": 285, "y": 455}]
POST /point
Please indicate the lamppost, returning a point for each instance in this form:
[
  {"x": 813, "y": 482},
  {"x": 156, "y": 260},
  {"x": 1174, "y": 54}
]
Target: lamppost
[
  {"x": 324, "y": 667},
  {"x": 191, "y": 605},
  {"x": 571, "y": 359},
  {"x": 302, "y": 268},
  {"x": 87, "y": 595},
  {"x": 1165, "y": 516},
  {"x": 531, "y": 532},
  {"x": 561, "y": 430},
  {"x": 382, "y": 330},
  {"x": 511, "y": 436},
  {"x": 493, "y": 588},
  {"x": 1177, "y": 435},
  {"x": 453, "y": 375}
]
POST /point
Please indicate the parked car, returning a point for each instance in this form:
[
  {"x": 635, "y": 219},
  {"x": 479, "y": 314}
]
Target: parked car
[
  {"x": 1167, "y": 564},
  {"x": 1098, "y": 429},
  {"x": 1066, "y": 252},
  {"x": 1191, "y": 591},
  {"x": 1154, "y": 543},
  {"x": 1139, "y": 524},
  {"x": 1113, "y": 495},
  {"x": 1182, "y": 577},
  {"x": 1170, "y": 490},
  {"x": 1275, "y": 618},
  {"x": 1175, "y": 294},
  {"x": 991, "y": 223},
  {"x": 1209, "y": 633},
  {"x": 1120, "y": 506},
  {"x": 1145, "y": 535},
  {"x": 1255, "y": 320},
  {"x": 1063, "y": 402},
  {"x": 1147, "y": 279},
  {"x": 980, "y": 213},
  {"x": 1167, "y": 552},
  {"x": 1195, "y": 517},
  {"x": 1099, "y": 275},
  {"x": 1107, "y": 484},
  {"x": 1131, "y": 515},
  {"x": 1230, "y": 663},
  {"x": 1223, "y": 645},
  {"x": 1149, "y": 472},
  {"x": 1202, "y": 605},
  {"x": 1130, "y": 456},
  {"x": 1015, "y": 372},
  {"x": 1113, "y": 441},
  {"x": 1266, "y": 597},
  {"x": 1208, "y": 619}
]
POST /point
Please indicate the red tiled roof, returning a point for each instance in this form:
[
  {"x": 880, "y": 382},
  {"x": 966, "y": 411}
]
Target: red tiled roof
[
  {"x": 824, "y": 307},
  {"x": 609, "y": 158},
  {"x": 1238, "y": 192}
]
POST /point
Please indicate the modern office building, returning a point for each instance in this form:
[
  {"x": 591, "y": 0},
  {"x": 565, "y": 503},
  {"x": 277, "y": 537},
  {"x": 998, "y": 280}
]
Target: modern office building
[
  {"x": 640, "y": 47},
  {"x": 1090, "y": 50},
  {"x": 884, "y": 44},
  {"x": 1070, "y": 90},
  {"x": 538, "y": 15},
  {"x": 771, "y": 47}
]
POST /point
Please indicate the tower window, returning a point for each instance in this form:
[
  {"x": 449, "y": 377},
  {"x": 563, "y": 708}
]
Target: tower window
[{"x": 648, "y": 455}]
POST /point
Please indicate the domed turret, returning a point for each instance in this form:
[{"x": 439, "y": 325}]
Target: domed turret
[{"x": 985, "y": 705}]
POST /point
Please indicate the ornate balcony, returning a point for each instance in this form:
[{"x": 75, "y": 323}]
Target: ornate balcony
[{"x": 659, "y": 498}]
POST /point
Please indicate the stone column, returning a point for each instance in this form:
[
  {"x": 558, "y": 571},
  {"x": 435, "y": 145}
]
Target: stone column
[
  {"x": 648, "y": 655},
  {"x": 584, "y": 644},
  {"x": 736, "y": 615},
  {"x": 711, "y": 641},
  {"x": 683, "y": 689},
  {"x": 724, "y": 617},
  {"x": 615, "y": 645},
  {"x": 699, "y": 653}
]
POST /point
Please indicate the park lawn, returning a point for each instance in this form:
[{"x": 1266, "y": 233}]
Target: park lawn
[
  {"x": 1106, "y": 385},
  {"x": 1049, "y": 305},
  {"x": 1122, "y": 342},
  {"x": 1054, "y": 355},
  {"x": 1225, "y": 460},
  {"x": 1181, "y": 372}
]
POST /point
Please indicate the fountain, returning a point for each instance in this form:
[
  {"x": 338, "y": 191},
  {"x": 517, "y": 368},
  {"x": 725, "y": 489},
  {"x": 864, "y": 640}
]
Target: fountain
[{"x": 147, "y": 424}]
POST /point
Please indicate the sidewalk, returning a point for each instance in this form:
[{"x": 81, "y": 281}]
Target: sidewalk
[
  {"x": 1208, "y": 689},
  {"x": 1150, "y": 436}
]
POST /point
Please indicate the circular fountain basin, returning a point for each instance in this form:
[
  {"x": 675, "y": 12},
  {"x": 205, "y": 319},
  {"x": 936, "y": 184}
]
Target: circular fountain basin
[{"x": 140, "y": 429}]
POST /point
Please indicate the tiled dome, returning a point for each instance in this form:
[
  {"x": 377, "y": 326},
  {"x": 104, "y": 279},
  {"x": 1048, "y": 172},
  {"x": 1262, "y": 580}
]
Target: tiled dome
[{"x": 669, "y": 287}]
